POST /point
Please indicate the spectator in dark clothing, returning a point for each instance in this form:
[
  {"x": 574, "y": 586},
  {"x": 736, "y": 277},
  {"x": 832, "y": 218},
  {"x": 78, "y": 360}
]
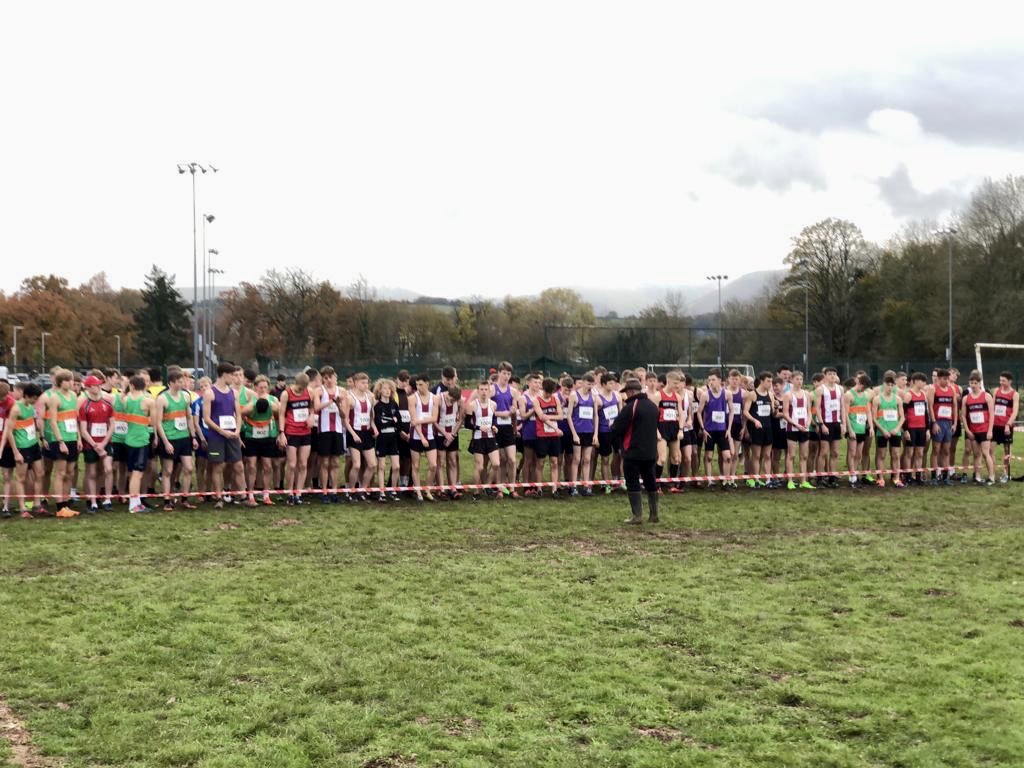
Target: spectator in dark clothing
[{"x": 636, "y": 429}]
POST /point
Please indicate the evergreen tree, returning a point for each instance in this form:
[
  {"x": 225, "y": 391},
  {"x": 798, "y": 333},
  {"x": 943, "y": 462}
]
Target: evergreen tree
[{"x": 163, "y": 322}]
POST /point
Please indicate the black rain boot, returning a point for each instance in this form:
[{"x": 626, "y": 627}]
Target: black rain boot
[
  {"x": 652, "y": 504},
  {"x": 636, "y": 507}
]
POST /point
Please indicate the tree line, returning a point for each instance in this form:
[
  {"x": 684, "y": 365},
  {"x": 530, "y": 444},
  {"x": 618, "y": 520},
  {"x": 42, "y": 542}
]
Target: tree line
[{"x": 864, "y": 301}]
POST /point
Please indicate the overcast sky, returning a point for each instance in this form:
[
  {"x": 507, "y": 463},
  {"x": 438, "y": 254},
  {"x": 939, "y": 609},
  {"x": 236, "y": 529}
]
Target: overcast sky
[{"x": 457, "y": 148}]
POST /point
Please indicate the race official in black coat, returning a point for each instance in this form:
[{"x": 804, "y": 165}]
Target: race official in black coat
[{"x": 636, "y": 430}]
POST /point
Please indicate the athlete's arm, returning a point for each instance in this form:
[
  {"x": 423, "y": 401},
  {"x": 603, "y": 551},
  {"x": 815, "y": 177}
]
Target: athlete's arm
[
  {"x": 51, "y": 419},
  {"x": 282, "y": 414},
  {"x": 900, "y": 411},
  {"x": 573, "y": 399},
  {"x": 992, "y": 414},
  {"x": 701, "y": 402},
  {"x": 747, "y": 402},
  {"x": 159, "y": 418}
]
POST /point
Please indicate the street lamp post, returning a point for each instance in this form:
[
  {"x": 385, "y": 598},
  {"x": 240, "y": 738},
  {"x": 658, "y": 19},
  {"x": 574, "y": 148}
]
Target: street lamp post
[
  {"x": 42, "y": 348},
  {"x": 807, "y": 329},
  {"x": 949, "y": 232},
  {"x": 208, "y": 218},
  {"x": 192, "y": 168},
  {"x": 118, "y": 337},
  {"x": 718, "y": 279},
  {"x": 14, "y": 349},
  {"x": 213, "y": 316}
]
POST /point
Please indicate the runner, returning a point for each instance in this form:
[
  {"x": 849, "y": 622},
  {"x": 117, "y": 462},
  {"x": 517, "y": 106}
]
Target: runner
[
  {"x": 404, "y": 428},
  {"x": 608, "y": 405},
  {"x": 484, "y": 445},
  {"x": 6, "y": 452},
  {"x": 780, "y": 430},
  {"x": 96, "y": 426},
  {"x": 738, "y": 429},
  {"x": 814, "y": 433},
  {"x": 423, "y": 410},
  {"x": 714, "y": 413},
  {"x": 331, "y": 407},
  {"x": 387, "y": 421},
  {"x": 859, "y": 427},
  {"x": 978, "y": 423},
  {"x": 670, "y": 418},
  {"x": 583, "y": 424},
  {"x": 796, "y": 409},
  {"x": 831, "y": 426},
  {"x": 945, "y": 403},
  {"x": 139, "y": 413},
  {"x": 757, "y": 412},
  {"x": 360, "y": 429},
  {"x": 887, "y": 415},
  {"x": 1006, "y": 402},
  {"x": 295, "y": 419},
  {"x": 505, "y": 397},
  {"x": 915, "y": 430},
  {"x": 224, "y": 441},
  {"x": 528, "y": 424},
  {"x": 548, "y": 411},
  {"x": 21, "y": 434},
  {"x": 259, "y": 440},
  {"x": 204, "y": 479},
  {"x": 176, "y": 439},
  {"x": 449, "y": 416},
  {"x": 62, "y": 441}
]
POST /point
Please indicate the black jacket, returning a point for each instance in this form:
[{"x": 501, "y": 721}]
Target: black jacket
[{"x": 636, "y": 427}]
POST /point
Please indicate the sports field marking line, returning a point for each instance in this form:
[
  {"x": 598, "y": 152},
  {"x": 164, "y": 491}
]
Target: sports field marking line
[{"x": 23, "y": 752}]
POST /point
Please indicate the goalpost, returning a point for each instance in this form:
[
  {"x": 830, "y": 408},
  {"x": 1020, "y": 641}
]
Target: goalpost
[
  {"x": 700, "y": 371},
  {"x": 986, "y": 345}
]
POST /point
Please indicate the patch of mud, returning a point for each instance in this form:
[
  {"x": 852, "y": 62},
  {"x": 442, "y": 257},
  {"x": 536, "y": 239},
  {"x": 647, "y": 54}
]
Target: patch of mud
[{"x": 23, "y": 752}]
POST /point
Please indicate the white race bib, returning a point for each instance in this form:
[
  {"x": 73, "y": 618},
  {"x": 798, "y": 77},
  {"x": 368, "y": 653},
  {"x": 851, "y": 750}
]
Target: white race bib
[
  {"x": 670, "y": 414},
  {"x": 548, "y": 429},
  {"x": 504, "y": 421},
  {"x": 919, "y": 408},
  {"x": 362, "y": 421},
  {"x": 890, "y": 414},
  {"x": 98, "y": 430},
  {"x": 404, "y": 416},
  {"x": 448, "y": 421},
  {"x": 610, "y": 412},
  {"x": 484, "y": 422},
  {"x": 832, "y": 406},
  {"x": 261, "y": 433},
  {"x": 2, "y": 423},
  {"x": 945, "y": 411},
  {"x": 71, "y": 425},
  {"x": 800, "y": 414},
  {"x": 1000, "y": 410},
  {"x": 737, "y": 409},
  {"x": 180, "y": 423},
  {"x": 860, "y": 419},
  {"x": 30, "y": 431},
  {"x": 120, "y": 427},
  {"x": 764, "y": 409},
  {"x": 299, "y": 414},
  {"x": 586, "y": 412},
  {"x": 227, "y": 422},
  {"x": 718, "y": 417},
  {"x": 978, "y": 417}
]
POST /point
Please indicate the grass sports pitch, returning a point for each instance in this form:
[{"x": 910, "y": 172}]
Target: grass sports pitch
[{"x": 819, "y": 628}]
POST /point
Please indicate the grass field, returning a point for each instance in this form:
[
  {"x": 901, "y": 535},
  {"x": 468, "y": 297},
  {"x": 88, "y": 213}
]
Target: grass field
[{"x": 877, "y": 628}]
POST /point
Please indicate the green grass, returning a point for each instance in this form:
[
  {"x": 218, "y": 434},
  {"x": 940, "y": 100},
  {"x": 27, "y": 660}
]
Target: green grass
[{"x": 751, "y": 629}]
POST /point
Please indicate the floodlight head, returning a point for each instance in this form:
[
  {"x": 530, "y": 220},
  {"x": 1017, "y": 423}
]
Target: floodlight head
[
  {"x": 209, "y": 218},
  {"x": 214, "y": 251},
  {"x": 212, "y": 168},
  {"x": 201, "y": 168},
  {"x": 180, "y": 169}
]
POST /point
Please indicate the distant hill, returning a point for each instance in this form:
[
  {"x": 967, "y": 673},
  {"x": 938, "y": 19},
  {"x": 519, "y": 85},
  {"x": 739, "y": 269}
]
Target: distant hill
[{"x": 699, "y": 299}]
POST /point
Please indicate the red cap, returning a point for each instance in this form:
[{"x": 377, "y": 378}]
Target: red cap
[{"x": 92, "y": 381}]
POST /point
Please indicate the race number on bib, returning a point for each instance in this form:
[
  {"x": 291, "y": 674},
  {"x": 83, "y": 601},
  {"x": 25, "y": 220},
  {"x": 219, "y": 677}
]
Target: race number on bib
[
  {"x": 860, "y": 419},
  {"x": 586, "y": 412},
  {"x": 800, "y": 414},
  {"x": 98, "y": 430},
  {"x": 261, "y": 433},
  {"x": 300, "y": 414},
  {"x": 890, "y": 414},
  {"x": 919, "y": 408},
  {"x": 448, "y": 421},
  {"x": 718, "y": 417},
  {"x": 610, "y": 412},
  {"x": 764, "y": 409},
  {"x": 670, "y": 414},
  {"x": 737, "y": 408},
  {"x": 504, "y": 421},
  {"x": 1000, "y": 410},
  {"x": 120, "y": 427},
  {"x": 70, "y": 425},
  {"x": 180, "y": 423},
  {"x": 227, "y": 422},
  {"x": 945, "y": 411},
  {"x": 549, "y": 430},
  {"x": 978, "y": 417},
  {"x": 362, "y": 421},
  {"x": 30, "y": 431},
  {"x": 404, "y": 416}
]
